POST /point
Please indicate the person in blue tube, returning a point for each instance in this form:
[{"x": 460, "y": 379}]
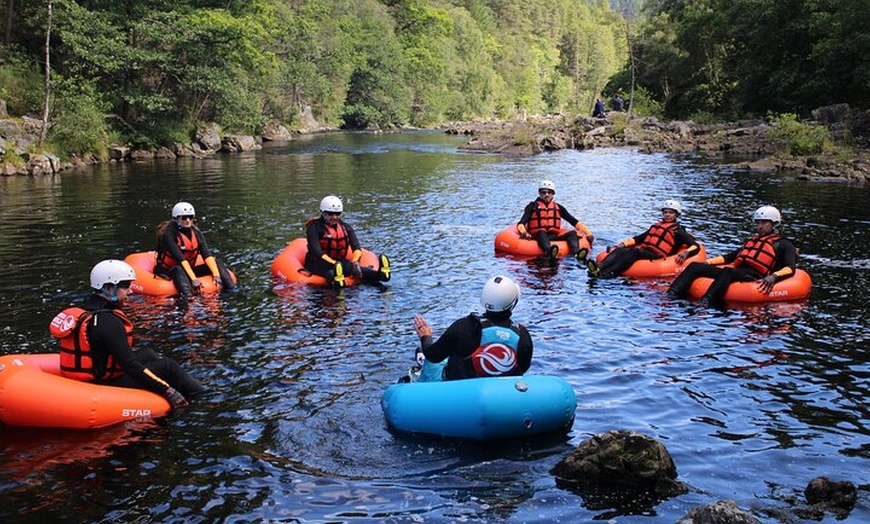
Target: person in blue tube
[{"x": 488, "y": 345}]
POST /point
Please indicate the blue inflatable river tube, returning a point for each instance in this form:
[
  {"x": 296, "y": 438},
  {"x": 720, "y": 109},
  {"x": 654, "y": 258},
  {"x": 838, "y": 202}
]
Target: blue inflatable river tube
[{"x": 482, "y": 408}]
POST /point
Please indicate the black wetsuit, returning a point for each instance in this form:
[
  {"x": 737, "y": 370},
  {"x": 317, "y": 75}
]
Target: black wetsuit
[
  {"x": 786, "y": 257},
  {"x": 462, "y": 338},
  {"x": 107, "y": 335},
  {"x": 314, "y": 257},
  {"x": 168, "y": 245},
  {"x": 622, "y": 258},
  {"x": 544, "y": 238}
]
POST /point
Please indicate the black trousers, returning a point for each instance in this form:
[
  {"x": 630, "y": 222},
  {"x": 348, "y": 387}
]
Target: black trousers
[
  {"x": 167, "y": 369},
  {"x": 326, "y": 270},
  {"x": 622, "y": 258},
  {"x": 183, "y": 283},
  {"x": 543, "y": 238},
  {"x": 722, "y": 278}
]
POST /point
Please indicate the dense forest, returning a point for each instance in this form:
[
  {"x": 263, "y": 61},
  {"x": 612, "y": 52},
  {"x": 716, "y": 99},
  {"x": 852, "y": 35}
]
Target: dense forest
[{"x": 147, "y": 72}]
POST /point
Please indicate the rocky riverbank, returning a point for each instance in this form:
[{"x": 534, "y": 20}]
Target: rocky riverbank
[{"x": 745, "y": 145}]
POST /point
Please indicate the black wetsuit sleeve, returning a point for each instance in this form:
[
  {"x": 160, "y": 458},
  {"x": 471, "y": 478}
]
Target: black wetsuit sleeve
[
  {"x": 458, "y": 339},
  {"x": 786, "y": 256},
  {"x": 731, "y": 256},
  {"x": 312, "y": 235},
  {"x": 204, "y": 250},
  {"x": 567, "y": 217},
  {"x": 638, "y": 239},
  {"x": 107, "y": 333},
  {"x": 524, "y": 350},
  {"x": 684, "y": 238},
  {"x": 527, "y": 213},
  {"x": 351, "y": 237}
]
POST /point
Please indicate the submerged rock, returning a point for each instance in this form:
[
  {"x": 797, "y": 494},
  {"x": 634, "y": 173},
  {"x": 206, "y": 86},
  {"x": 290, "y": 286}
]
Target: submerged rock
[{"x": 721, "y": 512}]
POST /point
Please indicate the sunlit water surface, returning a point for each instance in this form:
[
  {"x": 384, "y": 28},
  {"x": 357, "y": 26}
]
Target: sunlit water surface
[{"x": 751, "y": 402}]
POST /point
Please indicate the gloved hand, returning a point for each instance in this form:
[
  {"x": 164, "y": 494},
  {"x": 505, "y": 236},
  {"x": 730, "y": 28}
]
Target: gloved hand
[
  {"x": 590, "y": 238},
  {"x": 611, "y": 248},
  {"x": 175, "y": 398},
  {"x": 196, "y": 286},
  {"x": 682, "y": 257},
  {"x": 355, "y": 269},
  {"x": 525, "y": 235},
  {"x": 766, "y": 283}
]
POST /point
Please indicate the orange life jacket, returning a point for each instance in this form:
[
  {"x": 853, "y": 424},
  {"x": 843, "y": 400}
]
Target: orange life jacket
[
  {"x": 660, "y": 238},
  {"x": 189, "y": 247},
  {"x": 335, "y": 242},
  {"x": 758, "y": 253},
  {"x": 497, "y": 354},
  {"x": 76, "y": 356},
  {"x": 546, "y": 217}
]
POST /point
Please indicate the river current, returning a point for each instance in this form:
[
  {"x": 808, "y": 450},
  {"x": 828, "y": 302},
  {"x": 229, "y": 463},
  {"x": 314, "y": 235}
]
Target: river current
[{"x": 752, "y": 402}]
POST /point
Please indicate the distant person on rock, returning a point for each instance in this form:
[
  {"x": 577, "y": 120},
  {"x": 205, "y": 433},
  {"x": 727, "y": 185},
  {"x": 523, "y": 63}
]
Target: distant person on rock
[
  {"x": 598, "y": 112},
  {"x": 617, "y": 104}
]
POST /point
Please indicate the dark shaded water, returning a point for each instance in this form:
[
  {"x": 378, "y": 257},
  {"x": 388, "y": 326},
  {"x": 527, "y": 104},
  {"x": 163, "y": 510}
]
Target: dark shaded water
[{"x": 751, "y": 402}]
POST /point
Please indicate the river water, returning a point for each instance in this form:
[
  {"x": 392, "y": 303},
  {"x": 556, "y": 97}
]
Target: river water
[{"x": 751, "y": 402}]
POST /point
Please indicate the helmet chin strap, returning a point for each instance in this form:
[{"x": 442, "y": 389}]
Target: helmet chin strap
[{"x": 111, "y": 295}]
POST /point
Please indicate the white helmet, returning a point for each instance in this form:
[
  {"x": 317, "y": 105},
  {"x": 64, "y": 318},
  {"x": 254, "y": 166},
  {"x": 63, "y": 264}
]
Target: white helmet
[
  {"x": 111, "y": 272},
  {"x": 672, "y": 204},
  {"x": 499, "y": 294},
  {"x": 767, "y": 213},
  {"x": 182, "y": 209},
  {"x": 547, "y": 184},
  {"x": 332, "y": 204}
]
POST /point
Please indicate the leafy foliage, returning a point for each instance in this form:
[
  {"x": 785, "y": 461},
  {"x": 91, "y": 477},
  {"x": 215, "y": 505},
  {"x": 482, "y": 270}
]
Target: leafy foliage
[
  {"x": 160, "y": 67},
  {"x": 20, "y": 82},
  {"x": 79, "y": 124},
  {"x": 799, "y": 139},
  {"x": 736, "y": 57}
]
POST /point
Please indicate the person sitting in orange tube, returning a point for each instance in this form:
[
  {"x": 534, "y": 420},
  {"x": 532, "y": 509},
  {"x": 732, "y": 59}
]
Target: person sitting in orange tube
[
  {"x": 329, "y": 238},
  {"x": 96, "y": 342},
  {"x": 662, "y": 239},
  {"x": 766, "y": 257},
  {"x": 183, "y": 254},
  {"x": 542, "y": 220}
]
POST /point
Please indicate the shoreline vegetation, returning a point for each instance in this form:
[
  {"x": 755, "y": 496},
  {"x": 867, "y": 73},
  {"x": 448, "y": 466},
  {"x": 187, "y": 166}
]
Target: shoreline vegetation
[
  {"x": 823, "y": 150},
  {"x": 813, "y": 151},
  {"x": 117, "y": 81}
]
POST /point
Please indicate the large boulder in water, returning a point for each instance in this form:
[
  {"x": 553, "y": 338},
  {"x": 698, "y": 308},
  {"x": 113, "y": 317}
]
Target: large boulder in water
[{"x": 621, "y": 459}]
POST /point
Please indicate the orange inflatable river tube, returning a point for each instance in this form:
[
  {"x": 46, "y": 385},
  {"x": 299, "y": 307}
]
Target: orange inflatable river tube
[
  {"x": 795, "y": 287},
  {"x": 147, "y": 283},
  {"x": 33, "y": 393},
  {"x": 290, "y": 264},
  {"x": 662, "y": 267},
  {"x": 508, "y": 241}
]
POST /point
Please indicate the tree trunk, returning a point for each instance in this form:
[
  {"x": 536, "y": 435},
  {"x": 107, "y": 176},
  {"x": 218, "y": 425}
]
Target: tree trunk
[
  {"x": 10, "y": 15},
  {"x": 47, "y": 100},
  {"x": 631, "y": 67}
]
